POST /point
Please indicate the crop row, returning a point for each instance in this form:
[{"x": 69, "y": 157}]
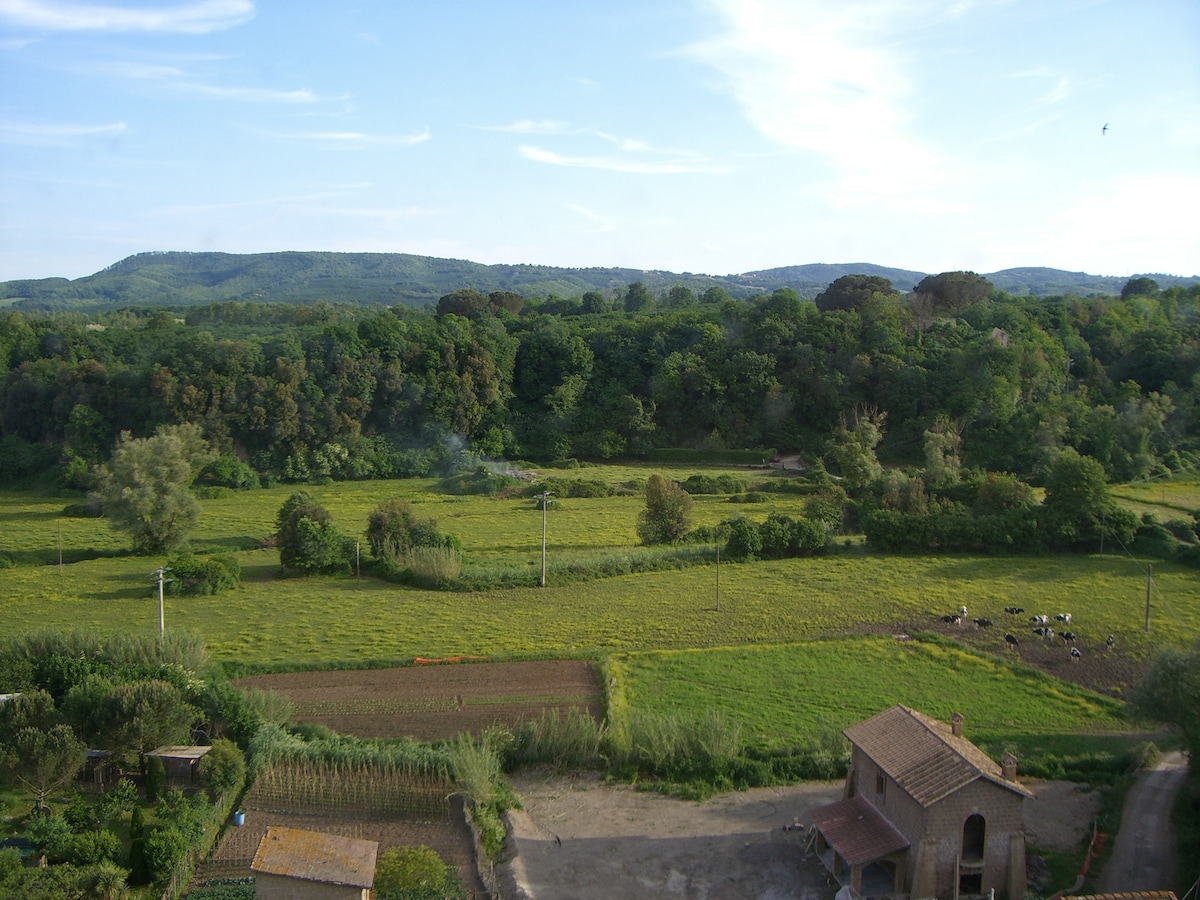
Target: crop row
[
  {"x": 378, "y": 706},
  {"x": 313, "y": 788}
]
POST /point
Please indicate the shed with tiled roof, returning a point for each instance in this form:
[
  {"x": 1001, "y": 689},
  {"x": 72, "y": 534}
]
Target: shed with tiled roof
[
  {"x": 293, "y": 863},
  {"x": 958, "y": 812}
]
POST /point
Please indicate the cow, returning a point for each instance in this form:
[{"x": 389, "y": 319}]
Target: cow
[
  {"x": 962, "y": 611},
  {"x": 1075, "y": 654},
  {"x": 1014, "y": 610},
  {"x": 1044, "y": 632},
  {"x": 1068, "y": 636},
  {"x": 1039, "y": 620},
  {"x": 1065, "y": 618},
  {"x": 952, "y": 619},
  {"x": 982, "y": 623},
  {"x": 1011, "y": 642},
  {"x": 1112, "y": 642}
]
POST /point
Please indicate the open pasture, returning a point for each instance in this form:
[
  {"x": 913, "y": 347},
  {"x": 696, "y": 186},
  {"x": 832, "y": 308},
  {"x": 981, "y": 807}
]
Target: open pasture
[
  {"x": 435, "y": 702},
  {"x": 784, "y": 694},
  {"x": 278, "y": 622}
]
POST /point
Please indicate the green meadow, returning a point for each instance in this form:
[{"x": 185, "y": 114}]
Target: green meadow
[
  {"x": 784, "y": 693},
  {"x": 789, "y": 647}
]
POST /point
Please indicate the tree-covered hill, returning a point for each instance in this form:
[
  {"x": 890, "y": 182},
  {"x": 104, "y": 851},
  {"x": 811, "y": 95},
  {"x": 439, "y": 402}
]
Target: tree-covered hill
[{"x": 400, "y": 279}]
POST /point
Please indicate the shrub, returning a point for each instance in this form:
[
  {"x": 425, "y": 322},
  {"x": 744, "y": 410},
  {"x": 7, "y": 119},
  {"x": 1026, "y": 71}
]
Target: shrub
[
  {"x": 156, "y": 778},
  {"x": 164, "y": 849},
  {"x": 715, "y": 484},
  {"x": 90, "y": 848},
  {"x": 223, "y": 767},
  {"x": 415, "y": 873},
  {"x": 203, "y": 575}
]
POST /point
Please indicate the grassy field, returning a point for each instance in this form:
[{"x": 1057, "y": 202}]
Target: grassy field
[
  {"x": 784, "y": 693},
  {"x": 274, "y": 620}
]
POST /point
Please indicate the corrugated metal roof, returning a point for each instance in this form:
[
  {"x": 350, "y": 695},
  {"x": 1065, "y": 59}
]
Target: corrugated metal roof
[
  {"x": 923, "y": 756},
  {"x": 857, "y": 831},
  {"x": 315, "y": 856},
  {"x": 189, "y": 752}
]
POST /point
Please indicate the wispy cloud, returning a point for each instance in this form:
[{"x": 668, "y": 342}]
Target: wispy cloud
[
  {"x": 50, "y": 135},
  {"x": 620, "y": 163},
  {"x": 530, "y": 126},
  {"x": 812, "y": 76},
  {"x": 363, "y": 139},
  {"x": 255, "y": 95},
  {"x": 598, "y": 222},
  {"x": 191, "y": 18}
]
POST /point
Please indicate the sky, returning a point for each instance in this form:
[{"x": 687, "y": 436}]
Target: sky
[{"x": 704, "y": 136}]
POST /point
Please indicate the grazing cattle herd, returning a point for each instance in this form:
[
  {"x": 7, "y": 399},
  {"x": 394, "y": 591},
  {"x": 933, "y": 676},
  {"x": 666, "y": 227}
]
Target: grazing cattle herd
[{"x": 1041, "y": 628}]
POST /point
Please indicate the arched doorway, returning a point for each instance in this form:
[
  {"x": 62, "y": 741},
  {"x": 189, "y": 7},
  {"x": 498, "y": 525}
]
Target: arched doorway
[{"x": 973, "y": 839}]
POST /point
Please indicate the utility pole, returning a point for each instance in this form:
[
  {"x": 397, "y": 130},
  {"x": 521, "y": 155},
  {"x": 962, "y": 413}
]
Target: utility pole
[
  {"x": 1149, "y": 570},
  {"x": 162, "y": 624},
  {"x": 545, "y": 497},
  {"x": 718, "y": 577}
]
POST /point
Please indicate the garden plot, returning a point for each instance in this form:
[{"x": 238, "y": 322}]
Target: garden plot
[{"x": 435, "y": 701}]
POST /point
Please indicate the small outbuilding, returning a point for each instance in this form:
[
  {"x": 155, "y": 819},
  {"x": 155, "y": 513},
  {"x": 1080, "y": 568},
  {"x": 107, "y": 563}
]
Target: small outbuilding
[
  {"x": 180, "y": 763},
  {"x": 925, "y": 812},
  {"x": 297, "y": 865}
]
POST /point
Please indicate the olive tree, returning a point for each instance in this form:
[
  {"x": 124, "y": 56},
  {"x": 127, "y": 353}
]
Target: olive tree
[{"x": 144, "y": 488}]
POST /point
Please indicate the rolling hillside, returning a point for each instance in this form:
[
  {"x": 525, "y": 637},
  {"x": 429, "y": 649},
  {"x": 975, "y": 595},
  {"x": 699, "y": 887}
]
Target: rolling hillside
[{"x": 187, "y": 279}]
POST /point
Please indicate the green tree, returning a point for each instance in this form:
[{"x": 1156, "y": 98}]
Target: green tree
[
  {"x": 1169, "y": 691},
  {"x": 1139, "y": 287},
  {"x": 1077, "y": 507},
  {"x": 638, "y": 298},
  {"x": 223, "y": 767},
  {"x": 307, "y": 539},
  {"x": 415, "y": 873},
  {"x": 144, "y": 487},
  {"x": 667, "y": 515},
  {"x": 854, "y": 443},
  {"x": 954, "y": 291},
  {"x": 943, "y": 443},
  {"x": 43, "y": 761},
  {"x": 852, "y": 291}
]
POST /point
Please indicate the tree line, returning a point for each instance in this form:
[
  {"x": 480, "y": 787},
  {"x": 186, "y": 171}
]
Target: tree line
[{"x": 304, "y": 393}]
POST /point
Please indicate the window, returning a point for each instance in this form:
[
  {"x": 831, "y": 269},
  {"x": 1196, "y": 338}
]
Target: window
[{"x": 880, "y": 783}]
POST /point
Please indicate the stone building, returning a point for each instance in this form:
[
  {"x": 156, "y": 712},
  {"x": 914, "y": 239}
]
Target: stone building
[
  {"x": 291, "y": 864},
  {"x": 925, "y": 812}
]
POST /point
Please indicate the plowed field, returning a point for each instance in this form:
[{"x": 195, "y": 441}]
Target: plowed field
[{"x": 435, "y": 701}]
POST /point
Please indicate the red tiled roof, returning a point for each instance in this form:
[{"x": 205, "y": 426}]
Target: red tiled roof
[
  {"x": 315, "y": 856},
  {"x": 923, "y": 755},
  {"x": 857, "y": 831}
]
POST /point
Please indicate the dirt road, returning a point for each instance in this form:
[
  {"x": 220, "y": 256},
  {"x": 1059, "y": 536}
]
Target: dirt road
[
  {"x": 580, "y": 839},
  {"x": 1144, "y": 857}
]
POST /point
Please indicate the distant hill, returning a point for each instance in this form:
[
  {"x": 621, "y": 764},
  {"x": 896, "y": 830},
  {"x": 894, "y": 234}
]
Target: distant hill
[{"x": 188, "y": 279}]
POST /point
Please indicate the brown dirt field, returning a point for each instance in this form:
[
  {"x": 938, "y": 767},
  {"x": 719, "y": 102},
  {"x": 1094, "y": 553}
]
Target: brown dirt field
[
  {"x": 580, "y": 838},
  {"x": 434, "y": 702},
  {"x": 451, "y": 840}
]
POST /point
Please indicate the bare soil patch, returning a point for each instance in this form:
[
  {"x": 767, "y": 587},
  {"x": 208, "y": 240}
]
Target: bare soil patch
[
  {"x": 581, "y": 838},
  {"x": 435, "y": 702}
]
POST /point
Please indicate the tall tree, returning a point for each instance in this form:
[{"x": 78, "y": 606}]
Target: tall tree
[
  {"x": 1169, "y": 691},
  {"x": 667, "y": 514},
  {"x": 144, "y": 488},
  {"x": 43, "y": 761}
]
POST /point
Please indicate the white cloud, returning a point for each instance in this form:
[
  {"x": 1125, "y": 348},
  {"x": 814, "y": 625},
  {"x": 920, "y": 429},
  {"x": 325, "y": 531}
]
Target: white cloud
[
  {"x": 255, "y": 95},
  {"x": 362, "y": 139},
  {"x": 619, "y": 164},
  {"x": 531, "y": 126},
  {"x": 828, "y": 79},
  {"x": 193, "y": 18},
  {"x": 45, "y": 135}
]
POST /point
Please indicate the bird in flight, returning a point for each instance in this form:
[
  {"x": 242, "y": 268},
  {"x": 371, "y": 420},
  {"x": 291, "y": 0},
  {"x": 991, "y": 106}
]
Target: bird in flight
[{"x": 1104, "y": 130}]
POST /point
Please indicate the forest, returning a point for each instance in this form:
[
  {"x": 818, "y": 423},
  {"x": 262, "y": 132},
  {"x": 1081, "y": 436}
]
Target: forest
[{"x": 301, "y": 393}]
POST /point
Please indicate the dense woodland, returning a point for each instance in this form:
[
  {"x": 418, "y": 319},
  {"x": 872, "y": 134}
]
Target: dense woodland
[{"x": 298, "y": 393}]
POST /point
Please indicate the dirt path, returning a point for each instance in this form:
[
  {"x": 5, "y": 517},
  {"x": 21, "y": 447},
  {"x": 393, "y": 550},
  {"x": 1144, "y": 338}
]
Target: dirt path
[
  {"x": 580, "y": 839},
  {"x": 1144, "y": 856}
]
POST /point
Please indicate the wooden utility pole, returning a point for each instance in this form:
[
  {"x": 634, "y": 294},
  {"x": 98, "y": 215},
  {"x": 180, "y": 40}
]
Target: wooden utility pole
[
  {"x": 545, "y": 495},
  {"x": 718, "y": 577},
  {"x": 1149, "y": 570}
]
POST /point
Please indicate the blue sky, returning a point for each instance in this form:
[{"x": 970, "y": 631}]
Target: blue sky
[{"x": 708, "y": 136}]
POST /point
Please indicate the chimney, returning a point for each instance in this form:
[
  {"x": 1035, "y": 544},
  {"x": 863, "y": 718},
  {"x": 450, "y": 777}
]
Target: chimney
[
  {"x": 1008, "y": 766},
  {"x": 956, "y": 724}
]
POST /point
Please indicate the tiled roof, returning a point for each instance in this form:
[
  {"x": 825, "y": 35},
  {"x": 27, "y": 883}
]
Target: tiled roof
[
  {"x": 857, "y": 831},
  {"x": 923, "y": 756},
  {"x": 1127, "y": 895},
  {"x": 314, "y": 856}
]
